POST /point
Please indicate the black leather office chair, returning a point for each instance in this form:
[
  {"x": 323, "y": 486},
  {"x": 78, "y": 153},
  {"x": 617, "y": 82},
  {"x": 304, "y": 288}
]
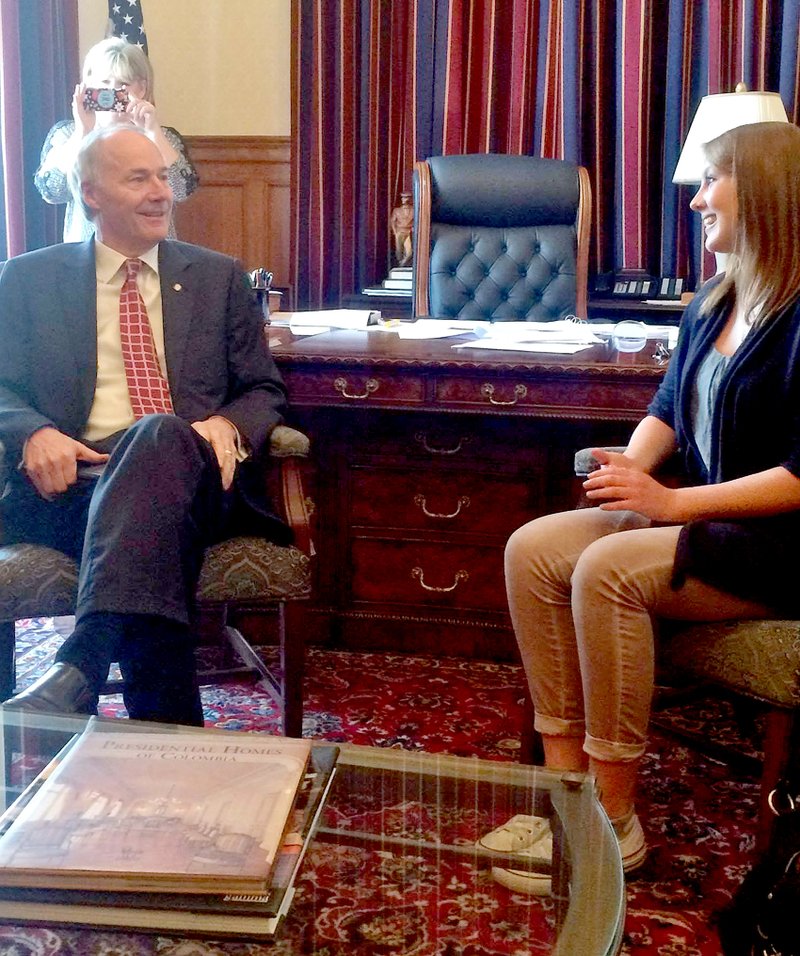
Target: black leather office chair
[{"x": 501, "y": 238}]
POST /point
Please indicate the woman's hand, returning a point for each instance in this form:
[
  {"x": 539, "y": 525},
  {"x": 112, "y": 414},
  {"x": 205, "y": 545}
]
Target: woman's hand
[
  {"x": 619, "y": 484},
  {"x": 84, "y": 119},
  {"x": 142, "y": 113}
]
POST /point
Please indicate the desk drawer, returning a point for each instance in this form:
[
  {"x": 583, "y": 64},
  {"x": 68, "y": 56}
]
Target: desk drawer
[
  {"x": 356, "y": 388},
  {"x": 564, "y": 397},
  {"x": 428, "y": 573},
  {"x": 456, "y": 500},
  {"x": 465, "y": 441}
]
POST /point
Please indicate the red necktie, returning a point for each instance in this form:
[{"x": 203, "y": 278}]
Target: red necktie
[{"x": 148, "y": 389}]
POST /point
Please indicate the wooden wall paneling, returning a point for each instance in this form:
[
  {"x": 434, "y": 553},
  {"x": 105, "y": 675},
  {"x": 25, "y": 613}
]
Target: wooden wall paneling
[{"x": 243, "y": 205}]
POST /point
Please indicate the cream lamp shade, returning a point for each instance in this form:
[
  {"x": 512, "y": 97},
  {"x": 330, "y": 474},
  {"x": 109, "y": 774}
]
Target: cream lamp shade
[{"x": 718, "y": 113}]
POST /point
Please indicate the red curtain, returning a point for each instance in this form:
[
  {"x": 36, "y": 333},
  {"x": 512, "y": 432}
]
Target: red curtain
[
  {"x": 612, "y": 84},
  {"x": 38, "y": 71}
]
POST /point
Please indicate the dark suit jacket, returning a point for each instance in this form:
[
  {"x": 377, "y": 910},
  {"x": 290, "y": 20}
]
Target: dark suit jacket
[{"x": 217, "y": 358}]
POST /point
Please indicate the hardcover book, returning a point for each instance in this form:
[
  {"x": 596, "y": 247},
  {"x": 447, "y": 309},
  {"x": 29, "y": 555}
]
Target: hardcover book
[
  {"x": 221, "y": 914},
  {"x": 125, "y": 811}
]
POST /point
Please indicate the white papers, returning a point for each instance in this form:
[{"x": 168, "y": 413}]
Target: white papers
[
  {"x": 312, "y": 323},
  {"x": 561, "y": 337},
  {"x": 438, "y": 329},
  {"x": 561, "y": 330},
  {"x": 554, "y": 348}
]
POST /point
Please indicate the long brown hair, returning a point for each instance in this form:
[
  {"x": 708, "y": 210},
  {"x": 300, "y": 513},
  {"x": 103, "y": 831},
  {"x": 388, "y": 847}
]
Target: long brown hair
[{"x": 763, "y": 269}]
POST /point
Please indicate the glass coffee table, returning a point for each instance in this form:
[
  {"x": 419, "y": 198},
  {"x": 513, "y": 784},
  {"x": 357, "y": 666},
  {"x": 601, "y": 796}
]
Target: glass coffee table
[{"x": 393, "y": 868}]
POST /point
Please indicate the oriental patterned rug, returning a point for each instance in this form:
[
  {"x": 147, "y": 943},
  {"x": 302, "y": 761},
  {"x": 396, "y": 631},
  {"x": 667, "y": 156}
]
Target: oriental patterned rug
[{"x": 698, "y": 812}]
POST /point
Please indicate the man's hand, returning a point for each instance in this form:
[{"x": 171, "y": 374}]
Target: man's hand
[
  {"x": 51, "y": 460},
  {"x": 221, "y": 435},
  {"x": 619, "y": 484}
]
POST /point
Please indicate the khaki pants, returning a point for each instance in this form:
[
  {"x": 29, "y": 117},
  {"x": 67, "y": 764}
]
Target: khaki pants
[{"x": 583, "y": 589}]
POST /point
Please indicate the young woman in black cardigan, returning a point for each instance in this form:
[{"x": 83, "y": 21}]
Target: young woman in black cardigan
[{"x": 584, "y": 586}]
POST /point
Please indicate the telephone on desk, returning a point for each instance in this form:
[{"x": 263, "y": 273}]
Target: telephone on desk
[{"x": 663, "y": 288}]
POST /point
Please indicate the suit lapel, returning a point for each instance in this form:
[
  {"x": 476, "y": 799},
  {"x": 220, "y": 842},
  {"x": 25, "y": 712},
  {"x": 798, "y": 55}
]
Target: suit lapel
[
  {"x": 177, "y": 303},
  {"x": 77, "y": 288}
]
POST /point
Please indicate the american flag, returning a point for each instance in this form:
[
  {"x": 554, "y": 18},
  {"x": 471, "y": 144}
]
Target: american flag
[{"x": 125, "y": 20}]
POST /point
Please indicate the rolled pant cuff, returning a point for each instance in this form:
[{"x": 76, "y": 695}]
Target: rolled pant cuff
[
  {"x": 558, "y": 726},
  {"x": 611, "y": 751}
]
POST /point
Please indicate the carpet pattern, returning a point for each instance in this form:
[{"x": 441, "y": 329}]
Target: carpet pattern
[{"x": 698, "y": 813}]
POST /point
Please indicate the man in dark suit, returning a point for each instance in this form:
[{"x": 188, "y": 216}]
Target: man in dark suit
[{"x": 174, "y": 477}]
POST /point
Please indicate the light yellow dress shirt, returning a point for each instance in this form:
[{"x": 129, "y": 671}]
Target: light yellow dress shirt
[{"x": 111, "y": 410}]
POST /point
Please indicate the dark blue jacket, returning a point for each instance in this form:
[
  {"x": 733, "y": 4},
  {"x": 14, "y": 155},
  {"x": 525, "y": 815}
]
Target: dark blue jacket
[{"x": 756, "y": 426}]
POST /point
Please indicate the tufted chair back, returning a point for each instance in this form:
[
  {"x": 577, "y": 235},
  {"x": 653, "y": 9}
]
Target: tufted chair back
[{"x": 500, "y": 238}]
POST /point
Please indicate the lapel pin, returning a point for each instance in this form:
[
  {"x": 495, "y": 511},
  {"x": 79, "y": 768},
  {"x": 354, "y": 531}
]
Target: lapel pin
[{"x": 177, "y": 287}]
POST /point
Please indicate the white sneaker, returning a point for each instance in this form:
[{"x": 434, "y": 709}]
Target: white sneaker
[
  {"x": 632, "y": 844},
  {"x": 531, "y": 836},
  {"x": 525, "y": 836}
]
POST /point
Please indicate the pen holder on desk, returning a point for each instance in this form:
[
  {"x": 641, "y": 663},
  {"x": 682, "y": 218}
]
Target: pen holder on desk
[{"x": 261, "y": 280}]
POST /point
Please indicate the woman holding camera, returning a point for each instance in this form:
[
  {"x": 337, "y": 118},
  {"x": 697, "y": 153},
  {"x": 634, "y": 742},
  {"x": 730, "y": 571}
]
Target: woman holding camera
[
  {"x": 116, "y": 88},
  {"x": 585, "y": 586}
]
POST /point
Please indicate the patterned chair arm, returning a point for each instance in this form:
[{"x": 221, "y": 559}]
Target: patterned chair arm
[
  {"x": 286, "y": 442},
  {"x": 290, "y": 445}
]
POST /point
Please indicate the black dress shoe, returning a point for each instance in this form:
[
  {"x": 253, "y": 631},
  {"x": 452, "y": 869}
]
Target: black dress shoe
[{"x": 62, "y": 690}]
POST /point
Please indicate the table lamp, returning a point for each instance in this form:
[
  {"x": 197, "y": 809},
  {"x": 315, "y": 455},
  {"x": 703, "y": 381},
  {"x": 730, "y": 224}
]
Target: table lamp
[{"x": 717, "y": 113}]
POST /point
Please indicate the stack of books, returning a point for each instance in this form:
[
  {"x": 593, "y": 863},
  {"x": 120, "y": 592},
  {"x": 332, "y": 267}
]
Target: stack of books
[
  {"x": 399, "y": 282},
  {"x": 199, "y": 833}
]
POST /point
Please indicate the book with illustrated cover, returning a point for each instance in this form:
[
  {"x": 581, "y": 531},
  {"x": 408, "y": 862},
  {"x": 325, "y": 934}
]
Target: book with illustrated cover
[
  {"x": 222, "y": 914},
  {"x": 202, "y": 812}
]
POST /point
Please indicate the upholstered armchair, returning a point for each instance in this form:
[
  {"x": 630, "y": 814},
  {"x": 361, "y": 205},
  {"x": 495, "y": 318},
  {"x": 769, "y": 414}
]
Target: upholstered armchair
[
  {"x": 244, "y": 575},
  {"x": 500, "y": 238},
  {"x": 757, "y": 660}
]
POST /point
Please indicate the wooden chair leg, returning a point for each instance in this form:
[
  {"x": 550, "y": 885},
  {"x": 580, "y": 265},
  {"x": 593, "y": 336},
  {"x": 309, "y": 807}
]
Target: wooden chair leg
[
  {"x": 778, "y": 732},
  {"x": 293, "y": 623},
  {"x": 7, "y": 665}
]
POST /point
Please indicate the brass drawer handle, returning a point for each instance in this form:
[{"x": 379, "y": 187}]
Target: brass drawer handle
[
  {"x": 340, "y": 384},
  {"x": 422, "y": 438},
  {"x": 418, "y": 573},
  {"x": 520, "y": 391},
  {"x": 420, "y": 500}
]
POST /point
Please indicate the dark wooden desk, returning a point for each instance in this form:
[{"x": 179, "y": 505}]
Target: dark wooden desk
[
  {"x": 427, "y": 458},
  {"x": 602, "y": 309}
]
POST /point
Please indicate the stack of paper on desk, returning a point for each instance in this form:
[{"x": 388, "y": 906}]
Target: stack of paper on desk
[
  {"x": 438, "y": 328},
  {"x": 562, "y": 337},
  {"x": 312, "y": 323}
]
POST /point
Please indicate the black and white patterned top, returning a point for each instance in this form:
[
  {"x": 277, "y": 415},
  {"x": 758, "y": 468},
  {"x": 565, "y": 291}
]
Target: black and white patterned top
[{"x": 52, "y": 182}]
